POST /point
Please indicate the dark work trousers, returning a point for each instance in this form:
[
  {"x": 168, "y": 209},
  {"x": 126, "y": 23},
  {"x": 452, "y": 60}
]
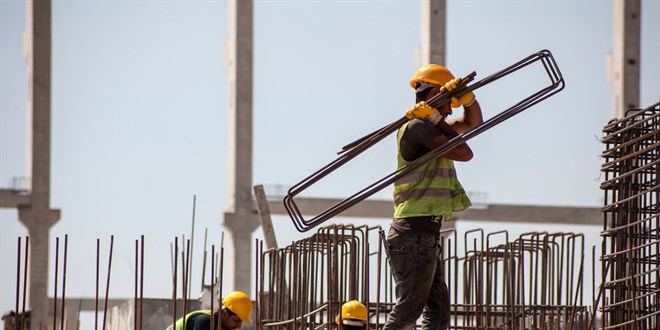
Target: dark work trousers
[{"x": 415, "y": 261}]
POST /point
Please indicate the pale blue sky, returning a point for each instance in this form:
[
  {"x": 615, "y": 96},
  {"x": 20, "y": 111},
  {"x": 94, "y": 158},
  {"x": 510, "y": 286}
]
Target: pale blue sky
[{"x": 139, "y": 110}]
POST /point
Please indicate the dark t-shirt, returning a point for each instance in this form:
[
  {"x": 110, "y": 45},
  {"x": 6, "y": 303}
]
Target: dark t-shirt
[
  {"x": 199, "y": 322},
  {"x": 417, "y": 138}
]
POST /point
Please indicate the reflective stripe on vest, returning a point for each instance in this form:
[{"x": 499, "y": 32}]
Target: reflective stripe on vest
[
  {"x": 431, "y": 189},
  {"x": 179, "y": 322}
]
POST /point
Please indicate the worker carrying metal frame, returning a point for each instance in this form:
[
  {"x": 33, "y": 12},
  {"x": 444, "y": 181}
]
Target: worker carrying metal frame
[{"x": 426, "y": 197}]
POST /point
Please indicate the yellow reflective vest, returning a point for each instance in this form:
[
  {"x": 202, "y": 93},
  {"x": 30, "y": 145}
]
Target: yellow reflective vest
[{"x": 430, "y": 190}]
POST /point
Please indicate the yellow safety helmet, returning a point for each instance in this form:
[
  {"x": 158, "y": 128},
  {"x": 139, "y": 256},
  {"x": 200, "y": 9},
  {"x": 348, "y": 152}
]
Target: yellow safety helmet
[
  {"x": 353, "y": 313},
  {"x": 432, "y": 74},
  {"x": 240, "y": 304}
]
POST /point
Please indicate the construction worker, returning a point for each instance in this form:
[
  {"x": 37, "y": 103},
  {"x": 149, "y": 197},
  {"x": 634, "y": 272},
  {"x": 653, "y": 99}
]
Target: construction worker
[
  {"x": 426, "y": 197},
  {"x": 353, "y": 316},
  {"x": 236, "y": 311}
]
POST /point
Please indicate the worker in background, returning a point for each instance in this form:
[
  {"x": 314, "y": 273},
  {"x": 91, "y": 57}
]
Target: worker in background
[
  {"x": 353, "y": 316},
  {"x": 426, "y": 197},
  {"x": 236, "y": 311}
]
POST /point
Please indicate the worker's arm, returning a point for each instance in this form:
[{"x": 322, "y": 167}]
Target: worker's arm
[
  {"x": 462, "y": 152},
  {"x": 471, "y": 118},
  {"x": 421, "y": 137}
]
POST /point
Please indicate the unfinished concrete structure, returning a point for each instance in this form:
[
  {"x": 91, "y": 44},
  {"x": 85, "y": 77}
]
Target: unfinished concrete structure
[
  {"x": 34, "y": 203},
  {"x": 240, "y": 219}
]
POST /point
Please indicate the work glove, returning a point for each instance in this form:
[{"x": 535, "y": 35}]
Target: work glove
[
  {"x": 465, "y": 100},
  {"x": 424, "y": 111}
]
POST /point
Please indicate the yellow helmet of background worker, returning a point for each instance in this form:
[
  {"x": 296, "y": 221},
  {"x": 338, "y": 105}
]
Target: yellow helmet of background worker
[
  {"x": 240, "y": 304},
  {"x": 353, "y": 311},
  {"x": 433, "y": 74}
]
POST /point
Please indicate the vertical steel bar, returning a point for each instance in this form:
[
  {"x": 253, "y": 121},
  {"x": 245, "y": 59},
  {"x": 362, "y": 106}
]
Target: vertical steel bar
[
  {"x": 96, "y": 307},
  {"x": 135, "y": 291},
  {"x": 57, "y": 255},
  {"x": 107, "y": 285},
  {"x": 221, "y": 267},
  {"x": 213, "y": 323},
  {"x": 175, "y": 261},
  {"x": 18, "y": 282},
  {"x": 184, "y": 284},
  {"x": 66, "y": 244},
  {"x": 141, "y": 279}
]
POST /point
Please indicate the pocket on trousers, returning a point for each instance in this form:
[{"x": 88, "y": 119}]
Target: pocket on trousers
[{"x": 401, "y": 264}]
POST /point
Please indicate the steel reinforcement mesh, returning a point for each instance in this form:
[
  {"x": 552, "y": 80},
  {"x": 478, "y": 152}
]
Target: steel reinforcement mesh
[
  {"x": 631, "y": 233},
  {"x": 533, "y": 281}
]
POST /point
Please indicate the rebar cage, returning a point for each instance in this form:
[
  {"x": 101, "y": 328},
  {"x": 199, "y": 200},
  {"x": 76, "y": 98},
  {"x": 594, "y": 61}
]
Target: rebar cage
[{"x": 631, "y": 224}]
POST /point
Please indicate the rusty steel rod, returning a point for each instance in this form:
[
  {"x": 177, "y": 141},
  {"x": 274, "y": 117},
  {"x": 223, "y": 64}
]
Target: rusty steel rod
[
  {"x": 25, "y": 276},
  {"x": 185, "y": 262},
  {"x": 174, "y": 277},
  {"x": 107, "y": 283},
  {"x": 18, "y": 281},
  {"x": 96, "y": 300},
  {"x": 221, "y": 266},
  {"x": 66, "y": 244},
  {"x": 141, "y": 279},
  {"x": 57, "y": 259},
  {"x": 213, "y": 324},
  {"x": 206, "y": 231},
  {"x": 135, "y": 290}
]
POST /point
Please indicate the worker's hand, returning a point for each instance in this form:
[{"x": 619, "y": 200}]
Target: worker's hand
[
  {"x": 465, "y": 100},
  {"x": 424, "y": 111}
]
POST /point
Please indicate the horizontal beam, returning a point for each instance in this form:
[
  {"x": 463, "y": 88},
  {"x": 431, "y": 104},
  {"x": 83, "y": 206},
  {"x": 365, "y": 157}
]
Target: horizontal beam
[
  {"x": 489, "y": 212},
  {"x": 86, "y": 304},
  {"x": 13, "y": 198}
]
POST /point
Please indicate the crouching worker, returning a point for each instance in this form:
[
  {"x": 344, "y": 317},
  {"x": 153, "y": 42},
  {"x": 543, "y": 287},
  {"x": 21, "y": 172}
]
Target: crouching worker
[
  {"x": 353, "y": 316},
  {"x": 236, "y": 310}
]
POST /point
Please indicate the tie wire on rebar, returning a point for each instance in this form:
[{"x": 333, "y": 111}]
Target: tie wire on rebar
[{"x": 354, "y": 149}]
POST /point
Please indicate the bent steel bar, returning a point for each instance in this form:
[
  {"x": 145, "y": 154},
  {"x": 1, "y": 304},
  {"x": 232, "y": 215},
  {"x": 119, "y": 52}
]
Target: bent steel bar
[{"x": 352, "y": 150}]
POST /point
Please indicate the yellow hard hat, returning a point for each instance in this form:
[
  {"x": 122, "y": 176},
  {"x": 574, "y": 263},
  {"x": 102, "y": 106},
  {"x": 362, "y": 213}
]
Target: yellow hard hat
[
  {"x": 240, "y": 304},
  {"x": 433, "y": 74},
  {"x": 351, "y": 312}
]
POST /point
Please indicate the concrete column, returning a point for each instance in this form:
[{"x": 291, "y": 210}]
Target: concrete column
[
  {"x": 37, "y": 216},
  {"x": 624, "y": 60},
  {"x": 433, "y": 30},
  {"x": 38, "y": 223},
  {"x": 240, "y": 219}
]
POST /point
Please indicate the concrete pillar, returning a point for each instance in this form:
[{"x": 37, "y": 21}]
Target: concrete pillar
[
  {"x": 38, "y": 222},
  {"x": 433, "y": 33},
  {"x": 240, "y": 219},
  {"x": 624, "y": 59},
  {"x": 37, "y": 216}
]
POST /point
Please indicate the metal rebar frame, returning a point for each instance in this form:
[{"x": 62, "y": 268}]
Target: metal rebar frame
[
  {"x": 555, "y": 85},
  {"x": 532, "y": 282},
  {"x": 303, "y": 285},
  {"x": 631, "y": 221}
]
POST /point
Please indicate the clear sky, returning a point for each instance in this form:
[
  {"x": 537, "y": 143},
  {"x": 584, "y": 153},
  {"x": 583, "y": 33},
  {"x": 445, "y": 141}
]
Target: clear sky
[{"x": 139, "y": 109}]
